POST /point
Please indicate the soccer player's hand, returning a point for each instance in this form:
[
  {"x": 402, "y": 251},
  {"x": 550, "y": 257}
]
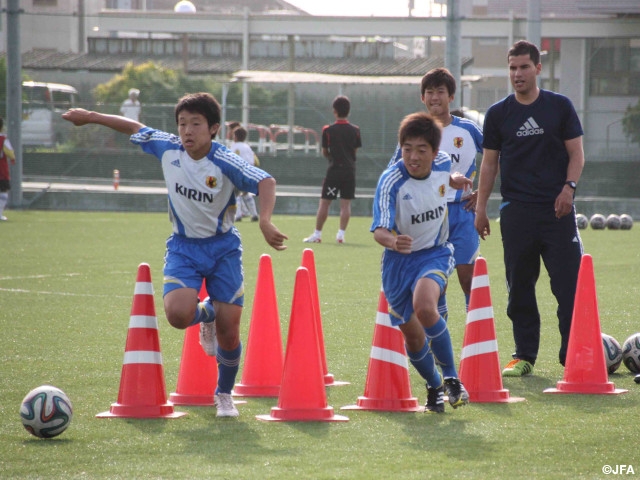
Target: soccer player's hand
[
  {"x": 482, "y": 225},
  {"x": 459, "y": 181},
  {"x": 564, "y": 202},
  {"x": 77, "y": 116},
  {"x": 273, "y": 236},
  {"x": 403, "y": 244},
  {"x": 470, "y": 202}
]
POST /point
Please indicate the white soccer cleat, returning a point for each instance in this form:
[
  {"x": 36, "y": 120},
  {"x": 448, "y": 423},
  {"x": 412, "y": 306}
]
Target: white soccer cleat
[
  {"x": 208, "y": 339},
  {"x": 313, "y": 239},
  {"x": 225, "y": 406}
]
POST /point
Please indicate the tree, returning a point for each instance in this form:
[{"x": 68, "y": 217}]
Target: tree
[{"x": 631, "y": 122}]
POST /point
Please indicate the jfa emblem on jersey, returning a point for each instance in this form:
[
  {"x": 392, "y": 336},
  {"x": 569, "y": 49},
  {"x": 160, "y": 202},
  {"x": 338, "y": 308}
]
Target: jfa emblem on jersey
[
  {"x": 457, "y": 142},
  {"x": 442, "y": 190},
  {"x": 212, "y": 182}
]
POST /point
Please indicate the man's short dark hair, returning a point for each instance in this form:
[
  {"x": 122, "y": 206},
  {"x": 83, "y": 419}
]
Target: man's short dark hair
[
  {"x": 524, "y": 47},
  {"x": 342, "y": 106},
  {"x": 240, "y": 134}
]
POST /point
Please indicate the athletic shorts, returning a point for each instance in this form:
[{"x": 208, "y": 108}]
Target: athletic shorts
[
  {"x": 339, "y": 180},
  {"x": 401, "y": 272},
  {"x": 217, "y": 260},
  {"x": 463, "y": 234},
  {"x": 5, "y": 185}
]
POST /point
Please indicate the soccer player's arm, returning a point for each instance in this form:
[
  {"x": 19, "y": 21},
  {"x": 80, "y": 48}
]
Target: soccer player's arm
[
  {"x": 80, "y": 116},
  {"x": 8, "y": 151},
  {"x": 488, "y": 173},
  {"x": 267, "y": 194},
  {"x": 564, "y": 201}
]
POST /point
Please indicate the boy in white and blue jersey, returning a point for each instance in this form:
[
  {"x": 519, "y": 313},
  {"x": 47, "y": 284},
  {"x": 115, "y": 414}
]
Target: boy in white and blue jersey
[
  {"x": 462, "y": 140},
  {"x": 201, "y": 176},
  {"x": 410, "y": 219}
]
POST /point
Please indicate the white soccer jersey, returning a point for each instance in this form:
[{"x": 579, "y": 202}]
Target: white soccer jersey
[
  {"x": 243, "y": 150},
  {"x": 201, "y": 192},
  {"x": 462, "y": 140},
  {"x": 418, "y": 208}
]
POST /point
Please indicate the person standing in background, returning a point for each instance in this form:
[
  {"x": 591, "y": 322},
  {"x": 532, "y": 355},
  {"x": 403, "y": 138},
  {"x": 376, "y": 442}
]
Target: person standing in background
[
  {"x": 131, "y": 107},
  {"x": 6, "y": 155}
]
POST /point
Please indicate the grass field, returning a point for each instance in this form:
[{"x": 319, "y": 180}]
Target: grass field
[{"x": 66, "y": 288}]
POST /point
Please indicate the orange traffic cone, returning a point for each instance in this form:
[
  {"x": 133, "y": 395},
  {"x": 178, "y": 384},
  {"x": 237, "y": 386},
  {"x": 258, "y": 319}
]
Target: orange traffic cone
[
  {"x": 142, "y": 389},
  {"x": 198, "y": 375},
  {"x": 308, "y": 262},
  {"x": 302, "y": 395},
  {"x": 585, "y": 369},
  {"x": 263, "y": 363},
  {"x": 388, "y": 387},
  {"x": 479, "y": 362}
]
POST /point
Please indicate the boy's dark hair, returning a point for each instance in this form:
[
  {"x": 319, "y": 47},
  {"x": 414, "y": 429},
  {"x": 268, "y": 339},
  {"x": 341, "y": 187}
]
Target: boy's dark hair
[
  {"x": 240, "y": 134},
  {"x": 437, "y": 77},
  {"x": 342, "y": 106},
  {"x": 421, "y": 125},
  {"x": 525, "y": 48},
  {"x": 203, "y": 103}
]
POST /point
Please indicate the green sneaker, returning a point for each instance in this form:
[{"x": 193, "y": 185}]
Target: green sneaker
[{"x": 517, "y": 368}]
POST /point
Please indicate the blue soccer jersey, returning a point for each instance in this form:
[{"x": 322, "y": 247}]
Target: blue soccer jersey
[
  {"x": 462, "y": 140},
  {"x": 201, "y": 192},
  {"x": 414, "y": 207}
]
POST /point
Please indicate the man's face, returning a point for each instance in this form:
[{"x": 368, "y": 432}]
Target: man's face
[{"x": 523, "y": 73}]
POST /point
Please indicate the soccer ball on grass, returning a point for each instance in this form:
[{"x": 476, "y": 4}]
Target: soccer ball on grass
[
  {"x": 46, "y": 411},
  {"x": 597, "y": 221},
  {"x": 631, "y": 353},
  {"x": 612, "y": 352},
  {"x": 613, "y": 222},
  {"x": 626, "y": 222},
  {"x": 582, "y": 221}
]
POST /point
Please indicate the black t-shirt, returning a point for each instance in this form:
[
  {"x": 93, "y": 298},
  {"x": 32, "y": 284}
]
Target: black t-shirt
[
  {"x": 530, "y": 138},
  {"x": 341, "y": 139}
]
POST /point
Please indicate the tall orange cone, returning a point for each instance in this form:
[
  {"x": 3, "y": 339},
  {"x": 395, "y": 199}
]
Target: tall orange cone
[
  {"x": 388, "y": 387},
  {"x": 198, "y": 375},
  {"x": 302, "y": 395},
  {"x": 309, "y": 263},
  {"x": 142, "y": 389},
  {"x": 585, "y": 369},
  {"x": 263, "y": 363},
  {"x": 479, "y": 362}
]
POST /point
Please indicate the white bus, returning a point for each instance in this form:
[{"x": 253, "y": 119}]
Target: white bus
[{"x": 42, "y": 107}]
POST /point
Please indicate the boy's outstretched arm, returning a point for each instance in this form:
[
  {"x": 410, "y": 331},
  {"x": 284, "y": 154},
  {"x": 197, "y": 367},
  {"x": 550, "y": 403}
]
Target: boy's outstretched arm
[
  {"x": 80, "y": 116},
  {"x": 267, "y": 195}
]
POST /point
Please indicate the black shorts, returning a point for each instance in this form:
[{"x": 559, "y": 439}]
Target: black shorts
[
  {"x": 341, "y": 181},
  {"x": 5, "y": 185}
]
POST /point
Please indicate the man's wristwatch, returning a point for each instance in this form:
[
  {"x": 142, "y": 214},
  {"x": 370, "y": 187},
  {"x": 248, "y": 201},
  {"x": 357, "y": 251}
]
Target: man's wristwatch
[{"x": 572, "y": 184}]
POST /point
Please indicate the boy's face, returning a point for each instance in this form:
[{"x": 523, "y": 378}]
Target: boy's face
[
  {"x": 418, "y": 156},
  {"x": 195, "y": 133},
  {"x": 523, "y": 73},
  {"x": 437, "y": 100}
]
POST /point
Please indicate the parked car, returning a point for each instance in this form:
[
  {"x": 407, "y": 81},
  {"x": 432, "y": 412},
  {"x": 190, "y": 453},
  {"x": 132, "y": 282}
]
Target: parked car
[{"x": 42, "y": 107}]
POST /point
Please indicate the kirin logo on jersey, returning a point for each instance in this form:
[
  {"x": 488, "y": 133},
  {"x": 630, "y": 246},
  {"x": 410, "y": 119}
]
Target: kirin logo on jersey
[
  {"x": 442, "y": 190},
  {"x": 212, "y": 182},
  {"x": 457, "y": 142}
]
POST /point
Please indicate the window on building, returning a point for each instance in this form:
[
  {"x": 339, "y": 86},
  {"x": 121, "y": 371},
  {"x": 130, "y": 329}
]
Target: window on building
[{"x": 614, "y": 66}]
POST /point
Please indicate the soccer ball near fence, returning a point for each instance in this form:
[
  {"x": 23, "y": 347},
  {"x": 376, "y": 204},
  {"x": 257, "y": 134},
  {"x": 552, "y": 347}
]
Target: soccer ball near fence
[
  {"x": 626, "y": 222},
  {"x": 582, "y": 221},
  {"x": 631, "y": 353},
  {"x": 612, "y": 352},
  {"x": 46, "y": 411},
  {"x": 613, "y": 222},
  {"x": 597, "y": 221}
]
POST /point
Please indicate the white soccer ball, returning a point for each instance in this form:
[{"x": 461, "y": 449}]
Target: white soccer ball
[
  {"x": 597, "y": 221},
  {"x": 626, "y": 222},
  {"x": 612, "y": 352},
  {"x": 46, "y": 411},
  {"x": 582, "y": 221},
  {"x": 631, "y": 353},
  {"x": 613, "y": 222}
]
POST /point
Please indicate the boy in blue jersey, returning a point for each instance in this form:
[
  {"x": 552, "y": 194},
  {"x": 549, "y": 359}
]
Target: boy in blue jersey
[
  {"x": 201, "y": 176},
  {"x": 410, "y": 220},
  {"x": 534, "y": 138}
]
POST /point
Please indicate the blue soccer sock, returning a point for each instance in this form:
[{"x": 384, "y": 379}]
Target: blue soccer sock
[
  {"x": 425, "y": 364},
  {"x": 443, "y": 309},
  {"x": 228, "y": 366},
  {"x": 440, "y": 342},
  {"x": 205, "y": 313}
]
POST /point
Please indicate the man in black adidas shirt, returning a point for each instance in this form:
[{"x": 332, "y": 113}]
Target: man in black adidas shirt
[{"x": 534, "y": 138}]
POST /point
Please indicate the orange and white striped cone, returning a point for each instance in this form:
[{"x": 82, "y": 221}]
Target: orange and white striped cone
[
  {"x": 142, "y": 388},
  {"x": 479, "y": 362},
  {"x": 388, "y": 386}
]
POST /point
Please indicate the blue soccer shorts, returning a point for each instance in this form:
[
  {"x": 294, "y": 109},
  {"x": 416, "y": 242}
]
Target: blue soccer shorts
[
  {"x": 401, "y": 272},
  {"x": 216, "y": 259},
  {"x": 463, "y": 234}
]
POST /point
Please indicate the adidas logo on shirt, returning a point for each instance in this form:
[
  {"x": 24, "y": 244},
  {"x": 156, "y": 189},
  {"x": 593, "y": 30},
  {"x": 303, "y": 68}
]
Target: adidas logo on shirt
[
  {"x": 530, "y": 127},
  {"x": 407, "y": 197},
  {"x": 176, "y": 163}
]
